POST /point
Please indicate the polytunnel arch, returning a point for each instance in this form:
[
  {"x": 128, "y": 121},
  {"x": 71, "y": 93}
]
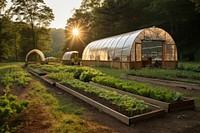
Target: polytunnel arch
[
  {"x": 152, "y": 47},
  {"x": 70, "y": 58},
  {"x": 38, "y": 52}
]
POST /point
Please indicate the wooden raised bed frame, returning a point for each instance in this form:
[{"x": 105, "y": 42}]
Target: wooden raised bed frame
[
  {"x": 187, "y": 103},
  {"x": 123, "y": 118},
  {"x": 119, "y": 116}
]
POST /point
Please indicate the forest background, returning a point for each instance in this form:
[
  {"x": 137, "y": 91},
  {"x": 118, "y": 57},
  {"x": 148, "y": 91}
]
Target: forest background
[{"x": 25, "y": 25}]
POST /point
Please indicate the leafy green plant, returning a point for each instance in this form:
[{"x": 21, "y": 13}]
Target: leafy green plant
[
  {"x": 77, "y": 73},
  {"x": 189, "y": 66},
  {"x": 142, "y": 89},
  {"x": 180, "y": 75},
  {"x": 20, "y": 77},
  {"x": 60, "y": 76},
  {"x": 87, "y": 74},
  {"x": 83, "y": 73},
  {"x": 9, "y": 106},
  {"x": 130, "y": 104}
]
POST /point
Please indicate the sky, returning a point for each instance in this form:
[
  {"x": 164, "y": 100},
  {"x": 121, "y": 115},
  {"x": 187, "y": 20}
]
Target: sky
[{"x": 62, "y": 9}]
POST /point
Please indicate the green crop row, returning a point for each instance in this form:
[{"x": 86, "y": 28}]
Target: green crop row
[
  {"x": 83, "y": 73},
  {"x": 166, "y": 74},
  {"x": 10, "y": 107},
  {"x": 87, "y": 74},
  {"x": 189, "y": 66},
  {"x": 123, "y": 102},
  {"x": 142, "y": 89},
  {"x": 15, "y": 75}
]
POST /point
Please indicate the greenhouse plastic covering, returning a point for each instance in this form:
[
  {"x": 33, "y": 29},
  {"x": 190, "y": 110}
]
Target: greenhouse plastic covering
[
  {"x": 133, "y": 46},
  {"x": 68, "y": 55}
]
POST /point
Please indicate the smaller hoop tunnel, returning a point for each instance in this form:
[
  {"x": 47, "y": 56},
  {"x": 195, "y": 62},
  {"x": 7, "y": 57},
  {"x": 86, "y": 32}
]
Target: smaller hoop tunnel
[{"x": 38, "y": 52}]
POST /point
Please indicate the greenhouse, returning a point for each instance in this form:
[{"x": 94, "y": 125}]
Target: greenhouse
[
  {"x": 51, "y": 59},
  {"x": 70, "y": 57},
  {"x": 152, "y": 47}
]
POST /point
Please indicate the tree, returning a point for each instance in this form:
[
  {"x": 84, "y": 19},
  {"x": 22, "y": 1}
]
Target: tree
[
  {"x": 58, "y": 37},
  {"x": 2, "y": 5},
  {"x": 5, "y": 33},
  {"x": 33, "y": 12},
  {"x": 197, "y": 4},
  {"x": 104, "y": 18},
  {"x": 6, "y": 46},
  {"x": 80, "y": 20},
  {"x": 107, "y": 17}
]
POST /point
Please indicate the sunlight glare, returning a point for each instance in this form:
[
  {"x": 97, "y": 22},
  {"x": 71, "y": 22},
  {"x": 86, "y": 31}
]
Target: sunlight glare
[{"x": 75, "y": 32}]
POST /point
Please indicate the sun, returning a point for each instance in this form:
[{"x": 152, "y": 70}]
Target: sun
[{"x": 75, "y": 32}]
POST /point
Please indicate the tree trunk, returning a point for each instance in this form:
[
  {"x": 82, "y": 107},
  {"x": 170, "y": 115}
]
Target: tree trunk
[
  {"x": 16, "y": 51},
  {"x": 1, "y": 26},
  {"x": 33, "y": 36},
  {"x": 33, "y": 39}
]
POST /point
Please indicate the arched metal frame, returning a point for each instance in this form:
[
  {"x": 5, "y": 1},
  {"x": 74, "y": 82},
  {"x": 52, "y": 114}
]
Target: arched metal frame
[
  {"x": 36, "y": 51},
  {"x": 124, "y": 48}
]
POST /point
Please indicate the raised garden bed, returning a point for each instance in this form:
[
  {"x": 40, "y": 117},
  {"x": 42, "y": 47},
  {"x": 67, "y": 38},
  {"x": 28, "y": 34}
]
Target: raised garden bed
[
  {"x": 42, "y": 77},
  {"x": 187, "y": 103},
  {"x": 154, "y": 111},
  {"x": 39, "y": 71}
]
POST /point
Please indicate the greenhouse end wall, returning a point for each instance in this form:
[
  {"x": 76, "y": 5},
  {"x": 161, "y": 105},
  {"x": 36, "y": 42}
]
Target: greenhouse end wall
[{"x": 134, "y": 50}]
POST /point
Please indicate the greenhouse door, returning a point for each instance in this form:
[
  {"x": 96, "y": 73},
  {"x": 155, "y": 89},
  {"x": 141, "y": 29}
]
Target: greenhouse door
[
  {"x": 152, "y": 51},
  {"x": 138, "y": 56}
]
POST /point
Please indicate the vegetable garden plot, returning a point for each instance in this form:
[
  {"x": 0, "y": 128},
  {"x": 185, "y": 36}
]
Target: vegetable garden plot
[
  {"x": 169, "y": 100},
  {"x": 143, "y": 114},
  {"x": 186, "y": 103}
]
